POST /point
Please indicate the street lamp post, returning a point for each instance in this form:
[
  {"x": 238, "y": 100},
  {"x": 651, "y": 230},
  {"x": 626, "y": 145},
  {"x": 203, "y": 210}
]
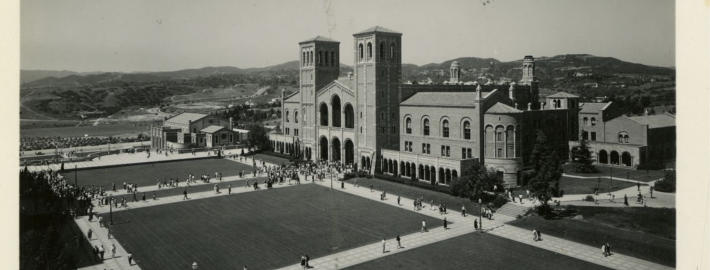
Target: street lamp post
[
  {"x": 480, "y": 214},
  {"x": 110, "y": 209}
]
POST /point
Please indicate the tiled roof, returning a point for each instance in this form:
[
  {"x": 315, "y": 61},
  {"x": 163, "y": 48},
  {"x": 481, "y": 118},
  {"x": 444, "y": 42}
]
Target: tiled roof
[
  {"x": 593, "y": 107},
  {"x": 378, "y": 29},
  {"x": 656, "y": 121},
  {"x": 211, "y": 129},
  {"x": 562, "y": 95},
  {"x": 319, "y": 38},
  {"x": 502, "y": 108},
  {"x": 445, "y": 99},
  {"x": 184, "y": 118}
]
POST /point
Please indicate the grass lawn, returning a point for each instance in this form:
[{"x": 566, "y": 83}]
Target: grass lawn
[
  {"x": 475, "y": 251},
  {"x": 586, "y": 186},
  {"x": 639, "y": 175},
  {"x": 100, "y": 130},
  {"x": 411, "y": 192},
  {"x": 148, "y": 174},
  {"x": 645, "y": 233},
  {"x": 263, "y": 230}
]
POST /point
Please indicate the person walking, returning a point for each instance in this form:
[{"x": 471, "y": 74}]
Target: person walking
[
  {"x": 475, "y": 224},
  {"x": 626, "y": 200},
  {"x": 134, "y": 197},
  {"x": 398, "y": 198},
  {"x": 113, "y": 251},
  {"x": 184, "y": 193},
  {"x": 109, "y": 232},
  {"x": 101, "y": 252},
  {"x": 638, "y": 185},
  {"x": 399, "y": 244},
  {"x": 143, "y": 199},
  {"x": 95, "y": 252},
  {"x": 535, "y": 235},
  {"x": 384, "y": 243},
  {"x": 445, "y": 224},
  {"x": 303, "y": 262},
  {"x": 229, "y": 189},
  {"x": 423, "y": 227},
  {"x": 130, "y": 258},
  {"x": 463, "y": 210},
  {"x": 307, "y": 259},
  {"x": 89, "y": 234},
  {"x": 154, "y": 195}
]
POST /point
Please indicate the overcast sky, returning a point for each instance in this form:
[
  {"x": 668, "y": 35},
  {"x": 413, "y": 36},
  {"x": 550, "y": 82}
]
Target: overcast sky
[{"x": 163, "y": 35}]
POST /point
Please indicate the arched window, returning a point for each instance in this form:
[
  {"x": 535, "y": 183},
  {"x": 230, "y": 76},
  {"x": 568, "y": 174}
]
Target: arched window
[
  {"x": 621, "y": 138},
  {"x": 295, "y": 116},
  {"x": 626, "y": 138},
  {"x": 303, "y": 59},
  {"x": 467, "y": 130},
  {"x": 445, "y": 129},
  {"x": 310, "y": 58},
  {"x": 585, "y": 121},
  {"x": 326, "y": 59},
  {"x": 408, "y": 125},
  {"x": 332, "y": 59},
  {"x": 369, "y": 50},
  {"x": 323, "y": 114},
  {"x": 594, "y": 121},
  {"x": 305, "y": 119},
  {"x": 362, "y": 51},
  {"x": 335, "y": 105},
  {"x": 320, "y": 58},
  {"x": 382, "y": 50},
  {"x": 392, "y": 50},
  {"x": 426, "y": 127},
  {"x": 287, "y": 116},
  {"x": 349, "y": 116}
]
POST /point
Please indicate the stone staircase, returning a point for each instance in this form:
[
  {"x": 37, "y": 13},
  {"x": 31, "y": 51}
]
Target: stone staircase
[{"x": 513, "y": 209}]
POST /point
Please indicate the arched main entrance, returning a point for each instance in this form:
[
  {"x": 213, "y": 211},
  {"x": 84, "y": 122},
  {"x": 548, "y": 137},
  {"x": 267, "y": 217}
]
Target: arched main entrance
[
  {"x": 323, "y": 148},
  {"x": 614, "y": 158},
  {"x": 603, "y": 157},
  {"x": 336, "y": 110},
  {"x": 626, "y": 159},
  {"x": 349, "y": 152},
  {"x": 336, "y": 149}
]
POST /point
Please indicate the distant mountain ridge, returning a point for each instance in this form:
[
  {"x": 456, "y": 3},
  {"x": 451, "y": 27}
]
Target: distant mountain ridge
[{"x": 546, "y": 67}]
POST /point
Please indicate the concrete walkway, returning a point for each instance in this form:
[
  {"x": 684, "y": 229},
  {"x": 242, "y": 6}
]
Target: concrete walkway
[
  {"x": 121, "y": 159},
  {"x": 100, "y": 237},
  {"x": 459, "y": 226}
]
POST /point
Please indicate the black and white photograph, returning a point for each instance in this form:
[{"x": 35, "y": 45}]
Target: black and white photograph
[{"x": 328, "y": 134}]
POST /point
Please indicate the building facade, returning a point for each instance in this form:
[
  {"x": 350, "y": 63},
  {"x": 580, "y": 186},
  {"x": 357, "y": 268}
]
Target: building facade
[
  {"x": 425, "y": 132},
  {"x": 194, "y": 130}
]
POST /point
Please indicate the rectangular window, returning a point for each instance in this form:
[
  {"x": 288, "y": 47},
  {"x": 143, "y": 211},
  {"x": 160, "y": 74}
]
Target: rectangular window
[
  {"x": 443, "y": 151},
  {"x": 584, "y": 136},
  {"x": 295, "y": 132},
  {"x": 470, "y": 153},
  {"x": 428, "y": 148},
  {"x": 499, "y": 136},
  {"x": 405, "y": 146},
  {"x": 448, "y": 151},
  {"x": 594, "y": 136},
  {"x": 500, "y": 152},
  {"x": 463, "y": 153},
  {"x": 424, "y": 148}
]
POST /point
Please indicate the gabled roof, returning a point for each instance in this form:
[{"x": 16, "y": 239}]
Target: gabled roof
[
  {"x": 184, "y": 118},
  {"x": 212, "y": 129},
  {"x": 292, "y": 97},
  {"x": 502, "y": 108},
  {"x": 593, "y": 107},
  {"x": 443, "y": 99},
  {"x": 378, "y": 29},
  {"x": 656, "y": 121},
  {"x": 562, "y": 95},
  {"x": 318, "y": 39}
]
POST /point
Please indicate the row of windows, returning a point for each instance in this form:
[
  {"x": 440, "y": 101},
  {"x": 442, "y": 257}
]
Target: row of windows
[
  {"x": 445, "y": 151},
  {"x": 585, "y": 121},
  {"x": 295, "y": 116},
  {"x": 444, "y": 128},
  {"x": 408, "y": 146},
  {"x": 288, "y": 131},
  {"x": 466, "y": 153},
  {"x": 382, "y": 52},
  {"x": 383, "y": 129},
  {"x": 592, "y": 136},
  {"x": 322, "y": 58}
]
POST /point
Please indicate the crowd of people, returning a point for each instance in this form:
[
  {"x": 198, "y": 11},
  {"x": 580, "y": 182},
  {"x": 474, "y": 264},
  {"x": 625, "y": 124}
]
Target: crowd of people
[{"x": 38, "y": 143}]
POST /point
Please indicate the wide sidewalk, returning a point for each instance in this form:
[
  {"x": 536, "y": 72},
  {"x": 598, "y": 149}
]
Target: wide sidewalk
[
  {"x": 461, "y": 225},
  {"x": 125, "y": 159}
]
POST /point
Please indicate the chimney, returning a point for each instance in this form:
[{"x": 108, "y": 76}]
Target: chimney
[{"x": 529, "y": 106}]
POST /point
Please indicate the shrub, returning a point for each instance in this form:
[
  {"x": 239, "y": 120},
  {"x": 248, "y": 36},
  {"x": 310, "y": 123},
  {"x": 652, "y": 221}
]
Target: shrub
[
  {"x": 667, "y": 184},
  {"x": 651, "y": 165},
  {"x": 589, "y": 198},
  {"x": 419, "y": 184},
  {"x": 499, "y": 201}
]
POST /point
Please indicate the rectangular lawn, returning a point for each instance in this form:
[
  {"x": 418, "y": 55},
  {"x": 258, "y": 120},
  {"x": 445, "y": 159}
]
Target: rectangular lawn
[
  {"x": 475, "y": 251},
  {"x": 149, "y": 173},
  {"x": 263, "y": 230},
  {"x": 604, "y": 171}
]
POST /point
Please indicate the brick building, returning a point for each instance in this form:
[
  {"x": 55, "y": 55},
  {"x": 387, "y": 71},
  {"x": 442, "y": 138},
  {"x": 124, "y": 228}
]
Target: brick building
[
  {"x": 194, "y": 130},
  {"x": 428, "y": 132}
]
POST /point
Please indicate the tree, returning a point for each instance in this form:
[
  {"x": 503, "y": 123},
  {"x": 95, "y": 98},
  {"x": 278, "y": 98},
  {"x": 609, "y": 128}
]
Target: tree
[
  {"x": 258, "y": 137},
  {"x": 581, "y": 159},
  {"x": 545, "y": 178},
  {"x": 474, "y": 180}
]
